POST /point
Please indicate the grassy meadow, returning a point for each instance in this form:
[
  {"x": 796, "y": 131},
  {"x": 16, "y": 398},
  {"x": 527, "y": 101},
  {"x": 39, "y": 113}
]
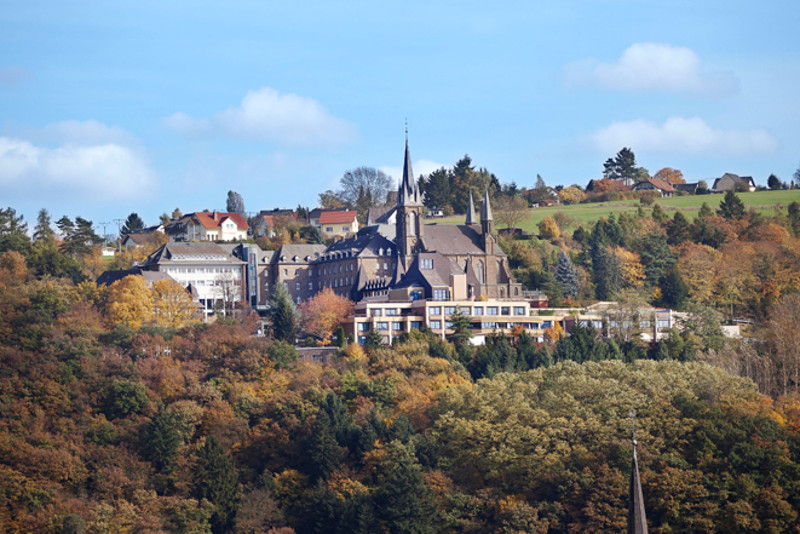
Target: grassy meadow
[{"x": 762, "y": 201}]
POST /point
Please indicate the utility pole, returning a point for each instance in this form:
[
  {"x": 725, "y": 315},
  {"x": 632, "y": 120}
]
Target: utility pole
[
  {"x": 119, "y": 229},
  {"x": 105, "y": 235}
]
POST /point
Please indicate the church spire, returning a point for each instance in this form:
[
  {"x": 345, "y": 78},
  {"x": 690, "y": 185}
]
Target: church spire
[
  {"x": 471, "y": 219},
  {"x": 637, "y": 522},
  {"x": 408, "y": 194},
  {"x": 486, "y": 210}
]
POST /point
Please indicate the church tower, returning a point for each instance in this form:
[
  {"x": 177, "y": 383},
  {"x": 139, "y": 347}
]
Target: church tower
[
  {"x": 409, "y": 213},
  {"x": 487, "y": 225}
]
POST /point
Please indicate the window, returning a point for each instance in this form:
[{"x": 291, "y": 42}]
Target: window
[
  {"x": 362, "y": 340},
  {"x": 505, "y": 310},
  {"x": 519, "y": 310},
  {"x": 391, "y": 312},
  {"x": 310, "y": 286},
  {"x": 397, "y": 326},
  {"x": 426, "y": 263},
  {"x": 382, "y": 325},
  {"x": 286, "y": 272},
  {"x": 416, "y": 324},
  {"x": 344, "y": 228},
  {"x": 386, "y": 265},
  {"x": 663, "y": 323},
  {"x": 547, "y": 324},
  {"x": 449, "y": 310},
  {"x": 363, "y": 327},
  {"x": 644, "y": 324},
  {"x": 435, "y": 310},
  {"x": 439, "y": 294},
  {"x": 448, "y": 324},
  {"x": 376, "y": 312},
  {"x": 435, "y": 325},
  {"x": 329, "y": 228},
  {"x": 491, "y": 310},
  {"x": 415, "y": 295},
  {"x": 297, "y": 286},
  {"x": 488, "y": 325},
  {"x": 478, "y": 310}
]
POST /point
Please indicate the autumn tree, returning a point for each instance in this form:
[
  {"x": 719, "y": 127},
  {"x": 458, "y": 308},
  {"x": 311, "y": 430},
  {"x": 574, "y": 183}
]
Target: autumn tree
[
  {"x": 571, "y": 195},
  {"x": 510, "y": 210},
  {"x": 322, "y": 314},
  {"x": 548, "y": 229},
  {"x": 173, "y": 305},
  {"x": 670, "y": 175},
  {"x": 129, "y": 302}
]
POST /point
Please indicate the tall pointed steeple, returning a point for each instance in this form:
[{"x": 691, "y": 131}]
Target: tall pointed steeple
[
  {"x": 487, "y": 221},
  {"x": 408, "y": 194},
  {"x": 471, "y": 219},
  {"x": 637, "y": 522}
]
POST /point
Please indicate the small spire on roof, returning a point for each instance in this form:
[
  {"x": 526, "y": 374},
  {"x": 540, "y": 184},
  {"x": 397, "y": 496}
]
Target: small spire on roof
[
  {"x": 486, "y": 209},
  {"x": 471, "y": 219}
]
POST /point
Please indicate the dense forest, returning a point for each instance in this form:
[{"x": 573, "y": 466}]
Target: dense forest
[{"x": 168, "y": 425}]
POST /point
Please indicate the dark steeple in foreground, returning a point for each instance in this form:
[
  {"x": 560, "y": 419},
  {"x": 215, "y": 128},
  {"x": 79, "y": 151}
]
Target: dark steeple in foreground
[{"x": 637, "y": 522}]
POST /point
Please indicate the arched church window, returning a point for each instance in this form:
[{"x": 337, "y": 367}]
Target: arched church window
[
  {"x": 412, "y": 223},
  {"x": 479, "y": 271}
]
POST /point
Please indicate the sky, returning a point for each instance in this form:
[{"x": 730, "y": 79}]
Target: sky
[{"x": 108, "y": 108}]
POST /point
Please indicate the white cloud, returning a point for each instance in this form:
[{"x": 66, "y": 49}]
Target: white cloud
[
  {"x": 84, "y": 132},
  {"x": 682, "y": 135},
  {"x": 656, "y": 67},
  {"x": 99, "y": 171},
  {"x": 421, "y": 166},
  {"x": 268, "y": 115}
]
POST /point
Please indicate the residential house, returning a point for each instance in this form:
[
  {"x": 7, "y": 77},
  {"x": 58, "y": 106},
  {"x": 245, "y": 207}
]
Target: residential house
[
  {"x": 688, "y": 188},
  {"x": 143, "y": 237},
  {"x": 733, "y": 182},
  {"x": 652, "y": 184},
  {"x": 209, "y": 226},
  {"x": 337, "y": 223}
]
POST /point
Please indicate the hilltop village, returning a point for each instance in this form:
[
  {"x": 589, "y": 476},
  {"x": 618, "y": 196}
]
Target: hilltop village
[{"x": 426, "y": 359}]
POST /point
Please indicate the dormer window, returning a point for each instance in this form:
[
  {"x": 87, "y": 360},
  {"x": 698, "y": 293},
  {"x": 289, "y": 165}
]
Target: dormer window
[{"x": 426, "y": 263}]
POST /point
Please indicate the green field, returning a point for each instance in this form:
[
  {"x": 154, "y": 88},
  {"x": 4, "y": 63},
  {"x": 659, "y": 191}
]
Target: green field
[{"x": 762, "y": 201}]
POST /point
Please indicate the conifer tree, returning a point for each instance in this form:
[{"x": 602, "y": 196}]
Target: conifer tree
[
  {"x": 567, "y": 276},
  {"x": 215, "y": 478},
  {"x": 283, "y": 314},
  {"x": 324, "y": 453},
  {"x": 678, "y": 229},
  {"x": 132, "y": 224},
  {"x": 402, "y": 501},
  {"x": 731, "y": 206},
  {"x": 43, "y": 231},
  {"x": 162, "y": 440}
]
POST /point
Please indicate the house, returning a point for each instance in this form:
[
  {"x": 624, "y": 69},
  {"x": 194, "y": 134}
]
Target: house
[
  {"x": 314, "y": 215},
  {"x": 733, "y": 182},
  {"x": 688, "y": 188},
  {"x": 144, "y": 237},
  {"x": 209, "y": 226},
  {"x": 269, "y": 220},
  {"x": 337, "y": 223},
  {"x": 652, "y": 184}
]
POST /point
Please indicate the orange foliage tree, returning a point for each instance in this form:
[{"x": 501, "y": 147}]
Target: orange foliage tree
[
  {"x": 670, "y": 175},
  {"x": 321, "y": 315}
]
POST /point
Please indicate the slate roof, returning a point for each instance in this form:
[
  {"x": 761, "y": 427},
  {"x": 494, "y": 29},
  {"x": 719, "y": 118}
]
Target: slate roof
[
  {"x": 366, "y": 243},
  {"x": 305, "y": 253},
  {"x": 452, "y": 239},
  {"x": 438, "y": 277},
  {"x": 190, "y": 251},
  {"x": 380, "y": 214}
]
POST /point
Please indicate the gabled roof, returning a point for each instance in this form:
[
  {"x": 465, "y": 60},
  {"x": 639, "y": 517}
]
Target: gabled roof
[
  {"x": 299, "y": 253},
  {"x": 658, "y": 184},
  {"x": 190, "y": 252},
  {"x": 452, "y": 239},
  {"x": 214, "y": 219},
  {"x": 337, "y": 217}
]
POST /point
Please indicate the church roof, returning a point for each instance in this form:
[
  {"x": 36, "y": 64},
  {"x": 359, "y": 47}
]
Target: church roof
[{"x": 452, "y": 239}]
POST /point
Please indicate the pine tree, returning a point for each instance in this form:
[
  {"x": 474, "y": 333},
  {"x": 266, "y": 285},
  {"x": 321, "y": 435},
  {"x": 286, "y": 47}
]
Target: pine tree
[
  {"x": 678, "y": 230},
  {"x": 607, "y": 273},
  {"x": 215, "y": 478},
  {"x": 234, "y": 203},
  {"x": 674, "y": 291},
  {"x": 132, "y": 224},
  {"x": 43, "y": 231},
  {"x": 283, "y": 313},
  {"x": 567, "y": 276},
  {"x": 402, "y": 501},
  {"x": 731, "y": 206},
  {"x": 324, "y": 453},
  {"x": 162, "y": 440}
]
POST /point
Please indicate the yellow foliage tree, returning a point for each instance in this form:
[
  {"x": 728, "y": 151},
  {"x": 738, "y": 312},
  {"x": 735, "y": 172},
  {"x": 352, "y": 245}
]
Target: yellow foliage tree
[
  {"x": 571, "y": 195},
  {"x": 129, "y": 302},
  {"x": 631, "y": 267},
  {"x": 554, "y": 333},
  {"x": 670, "y": 175},
  {"x": 548, "y": 228},
  {"x": 696, "y": 265},
  {"x": 172, "y": 306}
]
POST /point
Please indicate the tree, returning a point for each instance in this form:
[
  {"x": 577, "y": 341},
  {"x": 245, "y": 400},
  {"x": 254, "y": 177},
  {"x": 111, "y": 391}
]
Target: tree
[
  {"x": 330, "y": 200},
  {"x": 731, "y": 206},
  {"x": 132, "y": 224},
  {"x": 657, "y": 257},
  {"x": 173, "y": 305},
  {"x": 283, "y": 313},
  {"x": 234, "y": 203},
  {"x": 324, "y": 452},
  {"x": 402, "y": 501},
  {"x": 567, "y": 276},
  {"x": 437, "y": 189},
  {"x": 78, "y": 237},
  {"x": 773, "y": 182},
  {"x": 215, "y": 479},
  {"x": 129, "y": 302},
  {"x": 162, "y": 439},
  {"x": 548, "y": 229},
  {"x": 13, "y": 232},
  {"x": 670, "y": 175},
  {"x": 510, "y": 210},
  {"x": 363, "y": 188},
  {"x": 658, "y": 214},
  {"x": 673, "y": 289},
  {"x": 43, "y": 231},
  {"x": 622, "y": 167},
  {"x": 607, "y": 273},
  {"x": 796, "y": 177},
  {"x": 571, "y": 195},
  {"x": 678, "y": 229},
  {"x": 322, "y": 314}
]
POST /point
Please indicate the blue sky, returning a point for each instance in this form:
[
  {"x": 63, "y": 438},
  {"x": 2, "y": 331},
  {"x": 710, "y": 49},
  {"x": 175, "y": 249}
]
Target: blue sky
[{"x": 112, "y": 107}]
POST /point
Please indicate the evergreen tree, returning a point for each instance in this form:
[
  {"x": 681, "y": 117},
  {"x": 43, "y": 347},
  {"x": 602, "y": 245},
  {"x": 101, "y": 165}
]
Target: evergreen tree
[
  {"x": 567, "y": 276},
  {"x": 43, "y": 231},
  {"x": 402, "y": 501},
  {"x": 705, "y": 211},
  {"x": 678, "y": 230},
  {"x": 13, "y": 232},
  {"x": 78, "y": 237},
  {"x": 340, "y": 419},
  {"x": 773, "y": 182},
  {"x": 324, "y": 453},
  {"x": 658, "y": 214},
  {"x": 215, "y": 478},
  {"x": 731, "y": 206},
  {"x": 162, "y": 440},
  {"x": 437, "y": 189},
  {"x": 462, "y": 333},
  {"x": 234, "y": 203},
  {"x": 657, "y": 257},
  {"x": 132, "y": 224},
  {"x": 607, "y": 273},
  {"x": 674, "y": 291},
  {"x": 283, "y": 313},
  {"x": 794, "y": 217},
  {"x": 373, "y": 339}
]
